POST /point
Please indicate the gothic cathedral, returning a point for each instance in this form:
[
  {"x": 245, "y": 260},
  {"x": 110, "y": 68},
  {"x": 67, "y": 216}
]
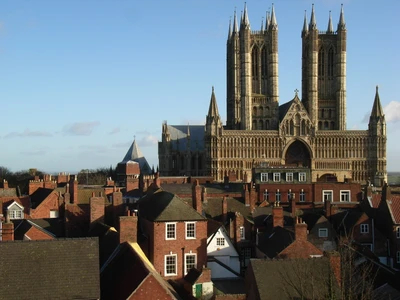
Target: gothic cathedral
[{"x": 307, "y": 133}]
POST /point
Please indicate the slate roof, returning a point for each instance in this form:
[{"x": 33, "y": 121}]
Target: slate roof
[
  {"x": 178, "y": 134},
  {"x": 134, "y": 154},
  {"x": 263, "y": 217},
  {"x": 21, "y": 227},
  {"x": 163, "y": 206},
  {"x": 127, "y": 269},
  {"x": 10, "y": 192},
  {"x": 394, "y": 208},
  {"x": 108, "y": 239},
  {"x": 283, "y": 279},
  {"x": 84, "y": 194},
  {"x": 344, "y": 221},
  {"x": 39, "y": 196},
  {"x": 213, "y": 207},
  {"x": 284, "y": 108},
  {"x": 50, "y": 269},
  {"x": 274, "y": 241}
]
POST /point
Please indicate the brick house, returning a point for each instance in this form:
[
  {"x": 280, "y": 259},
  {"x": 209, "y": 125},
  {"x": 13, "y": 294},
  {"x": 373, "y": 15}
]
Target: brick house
[{"x": 176, "y": 234}]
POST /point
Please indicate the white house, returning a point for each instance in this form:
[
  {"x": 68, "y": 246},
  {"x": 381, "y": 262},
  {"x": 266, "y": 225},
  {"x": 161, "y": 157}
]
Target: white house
[{"x": 223, "y": 259}]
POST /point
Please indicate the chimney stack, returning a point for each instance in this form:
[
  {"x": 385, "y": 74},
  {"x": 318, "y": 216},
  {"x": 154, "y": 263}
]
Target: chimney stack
[
  {"x": 97, "y": 207},
  {"x": 128, "y": 229},
  {"x": 300, "y": 230},
  {"x": 196, "y": 197},
  {"x": 8, "y": 229},
  {"x": 277, "y": 215},
  {"x": 224, "y": 209}
]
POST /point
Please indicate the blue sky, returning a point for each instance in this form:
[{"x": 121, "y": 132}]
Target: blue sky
[{"x": 80, "y": 79}]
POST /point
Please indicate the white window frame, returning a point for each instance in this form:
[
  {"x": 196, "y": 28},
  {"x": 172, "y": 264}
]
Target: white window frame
[
  {"x": 220, "y": 241},
  {"x": 302, "y": 176},
  {"x": 186, "y": 264},
  {"x": 398, "y": 232},
  {"x": 165, "y": 265},
  {"x": 266, "y": 195},
  {"x": 327, "y": 193},
  {"x": 302, "y": 196},
  {"x": 364, "y": 228},
  {"x": 278, "y": 196},
  {"x": 264, "y": 177},
  {"x": 167, "y": 230},
  {"x": 189, "y": 235},
  {"x": 345, "y": 194},
  {"x": 289, "y": 177},
  {"x": 277, "y": 177},
  {"x": 242, "y": 233},
  {"x": 321, "y": 234},
  {"x": 15, "y": 214}
]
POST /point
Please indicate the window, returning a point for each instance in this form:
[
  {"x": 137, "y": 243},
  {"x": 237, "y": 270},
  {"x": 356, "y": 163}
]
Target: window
[
  {"x": 289, "y": 177},
  {"x": 170, "y": 231},
  {"x": 170, "y": 265},
  {"x": 264, "y": 177},
  {"x": 190, "y": 262},
  {"x": 302, "y": 196},
  {"x": 15, "y": 214},
  {"x": 242, "y": 233},
  {"x": 190, "y": 230},
  {"x": 302, "y": 176},
  {"x": 266, "y": 195},
  {"x": 327, "y": 196},
  {"x": 54, "y": 214},
  {"x": 364, "y": 228},
  {"x": 398, "y": 232},
  {"x": 323, "y": 232},
  {"x": 345, "y": 196},
  {"x": 278, "y": 196},
  {"x": 220, "y": 242},
  {"x": 277, "y": 177}
]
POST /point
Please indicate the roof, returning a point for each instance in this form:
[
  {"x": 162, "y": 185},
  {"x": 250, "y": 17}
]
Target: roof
[
  {"x": 10, "y": 192},
  {"x": 53, "y": 225},
  {"x": 163, "y": 206},
  {"x": 22, "y": 226},
  {"x": 213, "y": 207},
  {"x": 394, "y": 208},
  {"x": 263, "y": 217},
  {"x": 39, "y": 196},
  {"x": 126, "y": 271},
  {"x": 178, "y": 134},
  {"x": 84, "y": 194},
  {"x": 291, "y": 278},
  {"x": 283, "y": 109},
  {"x": 345, "y": 221},
  {"x": 386, "y": 291},
  {"x": 134, "y": 154},
  {"x": 274, "y": 241},
  {"x": 375, "y": 200},
  {"x": 50, "y": 269},
  {"x": 108, "y": 239}
]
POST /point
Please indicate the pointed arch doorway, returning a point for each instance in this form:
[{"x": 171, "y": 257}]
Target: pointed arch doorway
[{"x": 298, "y": 155}]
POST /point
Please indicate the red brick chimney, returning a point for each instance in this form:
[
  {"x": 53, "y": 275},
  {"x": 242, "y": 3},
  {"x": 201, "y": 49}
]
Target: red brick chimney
[
  {"x": 300, "y": 230},
  {"x": 34, "y": 185},
  {"x": 253, "y": 198},
  {"x": 196, "y": 197},
  {"x": 67, "y": 195},
  {"x": 97, "y": 207},
  {"x": 328, "y": 209},
  {"x": 157, "y": 179},
  {"x": 277, "y": 215},
  {"x": 5, "y": 184},
  {"x": 224, "y": 209},
  {"x": 8, "y": 229},
  {"x": 128, "y": 229},
  {"x": 246, "y": 195},
  {"x": 118, "y": 205},
  {"x": 239, "y": 225},
  {"x": 73, "y": 189}
]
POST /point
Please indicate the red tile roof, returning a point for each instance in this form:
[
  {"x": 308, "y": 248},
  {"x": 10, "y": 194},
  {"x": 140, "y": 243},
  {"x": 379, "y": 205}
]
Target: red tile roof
[
  {"x": 376, "y": 200},
  {"x": 394, "y": 208}
]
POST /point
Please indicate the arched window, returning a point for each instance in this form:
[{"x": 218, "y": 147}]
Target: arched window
[
  {"x": 264, "y": 74},
  {"x": 254, "y": 111},
  {"x": 330, "y": 62},
  {"x": 267, "y": 124},
  {"x": 330, "y": 113},
  {"x": 332, "y": 125},
  {"x": 321, "y": 62},
  {"x": 260, "y": 125}
]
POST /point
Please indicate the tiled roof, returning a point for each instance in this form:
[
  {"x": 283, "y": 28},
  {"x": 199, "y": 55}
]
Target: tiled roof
[
  {"x": 52, "y": 225},
  {"x": 394, "y": 208},
  {"x": 134, "y": 154},
  {"x": 108, "y": 239},
  {"x": 21, "y": 227},
  {"x": 375, "y": 200},
  {"x": 163, "y": 206},
  {"x": 263, "y": 216},
  {"x": 178, "y": 134},
  {"x": 288, "y": 279},
  {"x": 51, "y": 269},
  {"x": 274, "y": 241},
  {"x": 125, "y": 272},
  {"x": 213, "y": 207},
  {"x": 85, "y": 194},
  {"x": 10, "y": 192}
]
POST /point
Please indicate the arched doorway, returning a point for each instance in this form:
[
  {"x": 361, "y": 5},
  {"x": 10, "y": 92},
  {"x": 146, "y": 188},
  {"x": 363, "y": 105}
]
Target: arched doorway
[
  {"x": 327, "y": 178},
  {"x": 298, "y": 155}
]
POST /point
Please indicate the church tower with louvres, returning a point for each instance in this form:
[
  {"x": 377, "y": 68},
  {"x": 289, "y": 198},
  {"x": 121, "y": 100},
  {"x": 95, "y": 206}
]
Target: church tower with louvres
[{"x": 308, "y": 132}]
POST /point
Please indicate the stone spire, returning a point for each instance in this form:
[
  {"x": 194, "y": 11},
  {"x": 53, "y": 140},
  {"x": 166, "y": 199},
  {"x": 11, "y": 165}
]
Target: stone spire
[
  {"x": 246, "y": 22},
  {"x": 305, "y": 27},
  {"x": 262, "y": 25},
  {"x": 273, "y": 24},
  {"x": 213, "y": 109},
  {"x": 235, "y": 23},
  {"x": 342, "y": 23},
  {"x": 377, "y": 111},
  {"x": 313, "y": 22},
  {"x": 330, "y": 26},
  {"x": 230, "y": 30},
  {"x": 267, "y": 21}
]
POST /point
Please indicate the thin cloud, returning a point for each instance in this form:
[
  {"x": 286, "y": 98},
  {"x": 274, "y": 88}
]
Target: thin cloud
[
  {"x": 392, "y": 111},
  {"x": 81, "y": 128},
  {"x": 148, "y": 141},
  {"x": 115, "y": 130},
  {"x": 28, "y": 133}
]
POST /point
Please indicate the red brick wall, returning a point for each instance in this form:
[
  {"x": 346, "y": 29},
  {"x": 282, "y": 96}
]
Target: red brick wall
[
  {"x": 43, "y": 210},
  {"x": 35, "y": 234},
  {"x": 97, "y": 207},
  {"x": 179, "y": 246},
  {"x": 128, "y": 229},
  {"x": 34, "y": 185},
  {"x": 150, "y": 288},
  {"x": 8, "y": 231}
]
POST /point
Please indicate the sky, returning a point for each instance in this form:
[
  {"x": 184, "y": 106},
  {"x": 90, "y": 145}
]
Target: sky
[{"x": 80, "y": 80}]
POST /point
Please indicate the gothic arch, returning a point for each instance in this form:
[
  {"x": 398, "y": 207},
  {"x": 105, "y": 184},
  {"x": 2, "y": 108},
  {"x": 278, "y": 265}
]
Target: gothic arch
[{"x": 298, "y": 152}]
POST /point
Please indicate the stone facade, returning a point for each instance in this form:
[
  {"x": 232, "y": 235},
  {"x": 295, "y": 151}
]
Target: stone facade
[{"x": 309, "y": 132}]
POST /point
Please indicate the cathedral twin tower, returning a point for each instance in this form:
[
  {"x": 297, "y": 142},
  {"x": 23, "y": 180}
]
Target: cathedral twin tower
[{"x": 308, "y": 133}]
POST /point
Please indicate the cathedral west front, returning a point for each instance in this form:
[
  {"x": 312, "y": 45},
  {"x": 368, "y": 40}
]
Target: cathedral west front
[{"x": 303, "y": 133}]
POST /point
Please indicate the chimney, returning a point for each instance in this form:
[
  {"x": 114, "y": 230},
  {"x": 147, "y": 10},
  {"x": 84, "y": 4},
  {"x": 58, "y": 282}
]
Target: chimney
[
  {"x": 292, "y": 203},
  {"x": 67, "y": 195},
  {"x": 157, "y": 180},
  {"x": 97, "y": 207},
  {"x": 224, "y": 210},
  {"x": 277, "y": 215},
  {"x": 246, "y": 195},
  {"x": 196, "y": 197},
  {"x": 239, "y": 226},
  {"x": 8, "y": 229},
  {"x": 300, "y": 230},
  {"x": 73, "y": 189},
  {"x": 245, "y": 177},
  {"x": 386, "y": 192},
  {"x": 5, "y": 184},
  {"x": 334, "y": 261},
  {"x": 253, "y": 198},
  {"x": 328, "y": 209},
  {"x": 128, "y": 229},
  {"x": 117, "y": 205}
]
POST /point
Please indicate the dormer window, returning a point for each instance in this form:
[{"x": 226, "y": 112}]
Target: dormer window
[{"x": 15, "y": 211}]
